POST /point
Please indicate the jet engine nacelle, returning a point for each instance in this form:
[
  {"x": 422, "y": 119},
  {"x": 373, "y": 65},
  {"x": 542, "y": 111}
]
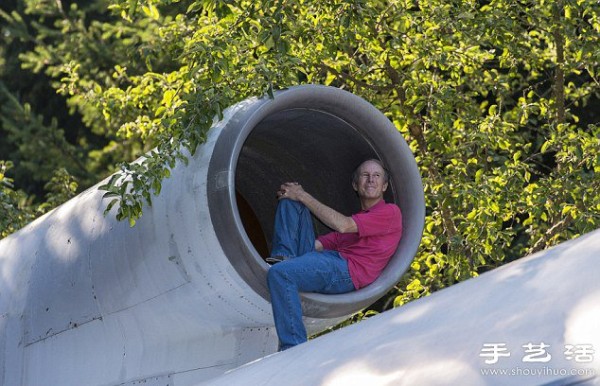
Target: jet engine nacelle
[{"x": 181, "y": 297}]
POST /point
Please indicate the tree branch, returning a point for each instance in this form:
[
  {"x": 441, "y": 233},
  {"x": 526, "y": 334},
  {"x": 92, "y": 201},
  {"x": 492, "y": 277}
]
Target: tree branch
[{"x": 555, "y": 229}]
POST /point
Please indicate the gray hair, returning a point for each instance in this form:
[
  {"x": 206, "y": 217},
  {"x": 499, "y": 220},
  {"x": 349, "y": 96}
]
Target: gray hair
[{"x": 356, "y": 173}]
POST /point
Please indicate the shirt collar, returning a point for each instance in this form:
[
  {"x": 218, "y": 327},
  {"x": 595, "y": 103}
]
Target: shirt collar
[{"x": 378, "y": 204}]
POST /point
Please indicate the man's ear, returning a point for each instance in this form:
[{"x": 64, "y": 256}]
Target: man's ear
[
  {"x": 354, "y": 186},
  {"x": 385, "y": 186}
]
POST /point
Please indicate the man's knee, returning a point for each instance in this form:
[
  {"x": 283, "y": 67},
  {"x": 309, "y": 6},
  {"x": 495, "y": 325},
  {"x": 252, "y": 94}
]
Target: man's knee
[
  {"x": 292, "y": 204},
  {"x": 286, "y": 202}
]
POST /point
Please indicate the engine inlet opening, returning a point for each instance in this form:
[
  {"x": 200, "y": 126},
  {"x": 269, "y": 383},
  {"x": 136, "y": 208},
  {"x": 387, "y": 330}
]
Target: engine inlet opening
[
  {"x": 318, "y": 150},
  {"x": 317, "y": 136}
]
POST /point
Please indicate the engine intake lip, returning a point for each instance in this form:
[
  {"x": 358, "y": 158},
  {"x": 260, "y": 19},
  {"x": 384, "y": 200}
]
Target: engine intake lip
[{"x": 316, "y": 135}]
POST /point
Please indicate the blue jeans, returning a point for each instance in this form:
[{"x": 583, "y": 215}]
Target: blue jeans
[{"x": 304, "y": 270}]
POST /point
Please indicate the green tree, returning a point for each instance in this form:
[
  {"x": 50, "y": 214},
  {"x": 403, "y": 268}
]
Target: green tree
[
  {"x": 494, "y": 97},
  {"x": 42, "y": 130},
  {"x": 17, "y": 209},
  {"x": 44, "y": 133},
  {"x": 488, "y": 94},
  {"x": 13, "y": 215}
]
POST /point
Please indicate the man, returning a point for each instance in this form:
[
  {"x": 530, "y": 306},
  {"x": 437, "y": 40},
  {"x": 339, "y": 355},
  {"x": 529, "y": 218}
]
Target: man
[{"x": 349, "y": 258}]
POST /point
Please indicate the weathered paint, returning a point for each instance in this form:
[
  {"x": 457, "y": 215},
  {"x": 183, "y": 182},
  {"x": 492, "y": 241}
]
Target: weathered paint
[{"x": 552, "y": 297}]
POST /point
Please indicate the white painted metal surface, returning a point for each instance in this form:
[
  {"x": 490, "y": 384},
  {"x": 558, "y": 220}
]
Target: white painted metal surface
[
  {"x": 552, "y": 297},
  {"x": 180, "y": 298},
  {"x": 89, "y": 300}
]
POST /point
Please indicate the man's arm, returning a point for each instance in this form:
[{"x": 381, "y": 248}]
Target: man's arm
[{"x": 330, "y": 217}]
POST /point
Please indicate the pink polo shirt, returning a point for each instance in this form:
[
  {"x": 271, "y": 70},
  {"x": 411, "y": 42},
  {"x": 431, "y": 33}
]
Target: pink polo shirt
[{"x": 369, "y": 250}]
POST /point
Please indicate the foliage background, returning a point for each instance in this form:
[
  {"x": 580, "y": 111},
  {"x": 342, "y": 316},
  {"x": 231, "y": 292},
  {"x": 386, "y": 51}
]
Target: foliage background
[{"x": 499, "y": 101}]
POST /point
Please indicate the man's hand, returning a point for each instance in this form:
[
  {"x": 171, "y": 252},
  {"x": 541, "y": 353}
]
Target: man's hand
[
  {"x": 330, "y": 217},
  {"x": 318, "y": 246},
  {"x": 291, "y": 190}
]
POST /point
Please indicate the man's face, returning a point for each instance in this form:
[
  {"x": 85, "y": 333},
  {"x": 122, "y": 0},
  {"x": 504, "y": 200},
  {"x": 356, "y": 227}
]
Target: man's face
[{"x": 371, "y": 181}]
